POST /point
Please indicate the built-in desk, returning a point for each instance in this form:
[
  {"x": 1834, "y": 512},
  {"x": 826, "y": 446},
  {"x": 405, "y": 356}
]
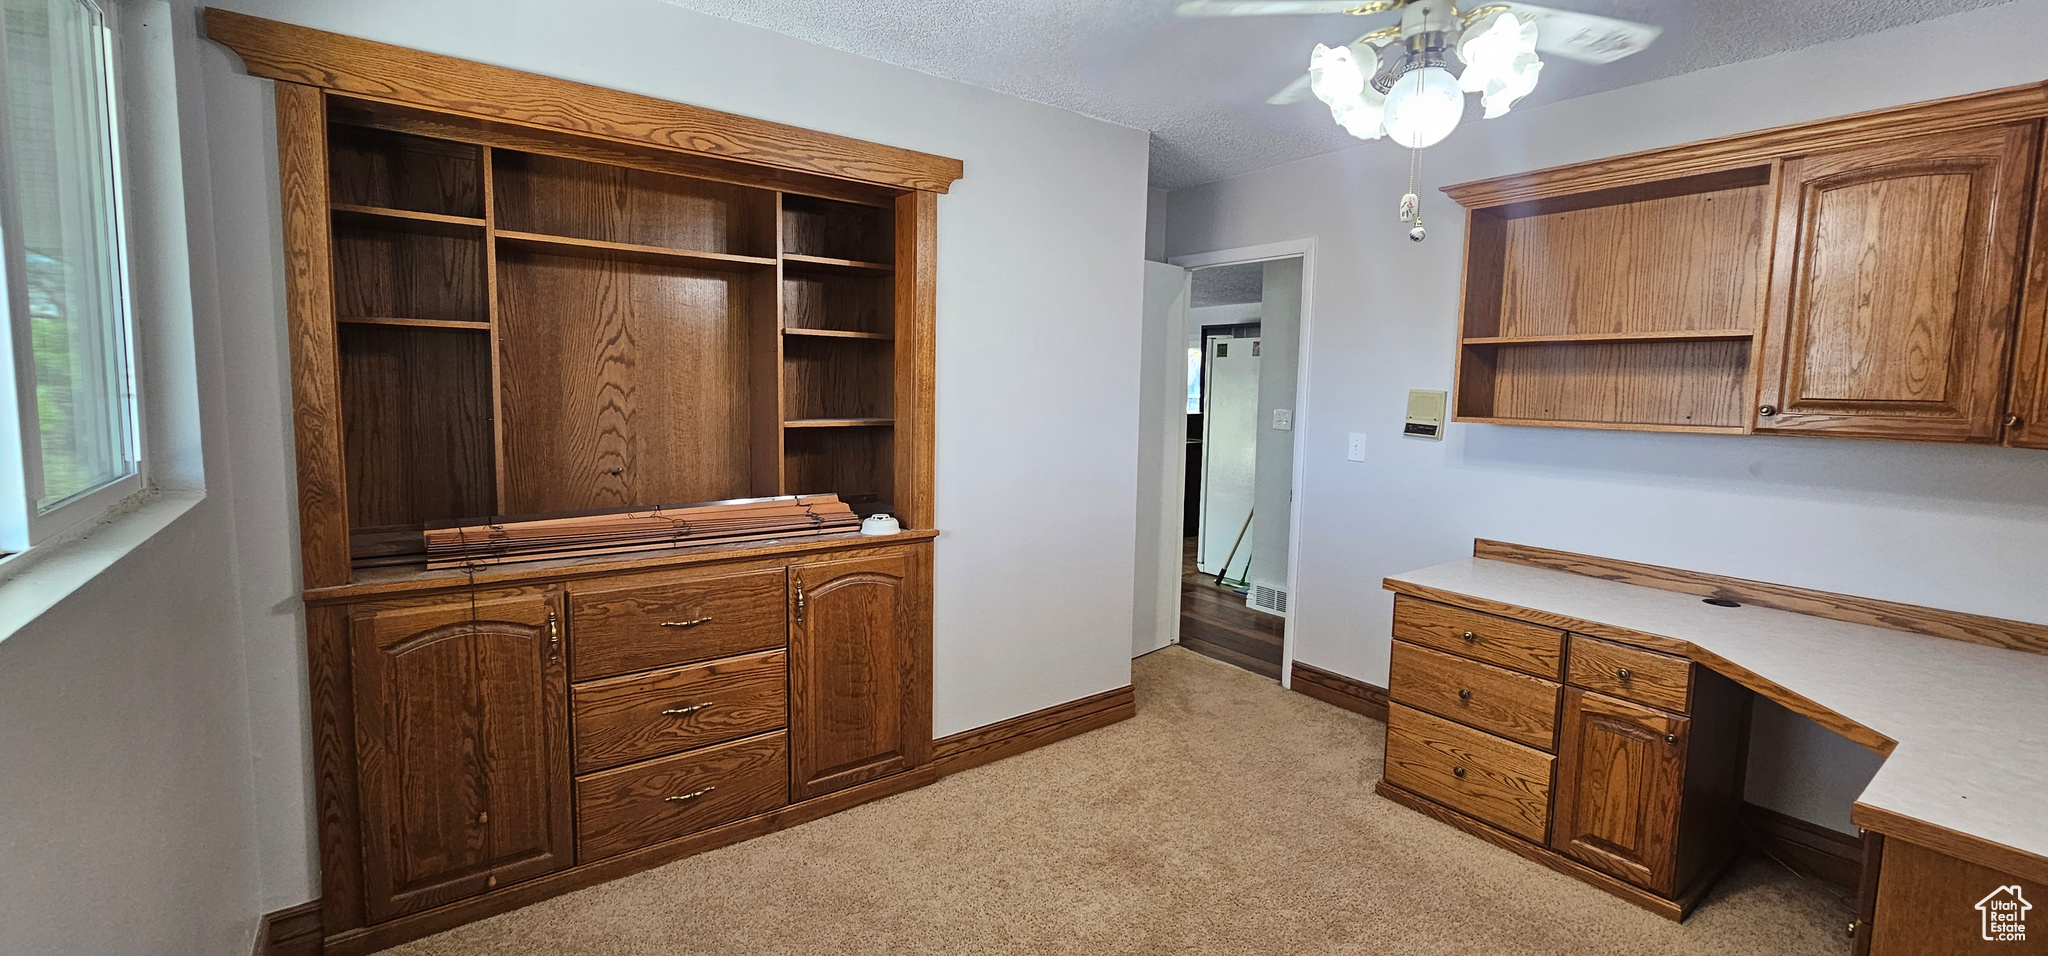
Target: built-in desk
[{"x": 1963, "y": 717}]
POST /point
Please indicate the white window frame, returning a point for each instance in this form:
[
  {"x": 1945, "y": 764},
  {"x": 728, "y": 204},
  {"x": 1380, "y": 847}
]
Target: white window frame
[{"x": 24, "y": 524}]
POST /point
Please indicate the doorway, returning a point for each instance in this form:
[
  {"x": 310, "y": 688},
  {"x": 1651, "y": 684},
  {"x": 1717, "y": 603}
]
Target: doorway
[{"x": 1234, "y": 475}]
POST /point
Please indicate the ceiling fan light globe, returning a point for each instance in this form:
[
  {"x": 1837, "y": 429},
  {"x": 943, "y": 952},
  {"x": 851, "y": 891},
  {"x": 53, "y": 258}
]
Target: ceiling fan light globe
[
  {"x": 1334, "y": 75},
  {"x": 1363, "y": 117},
  {"x": 1500, "y": 61},
  {"x": 1423, "y": 107}
]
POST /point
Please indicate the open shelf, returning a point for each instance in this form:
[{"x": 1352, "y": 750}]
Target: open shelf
[
  {"x": 857, "y": 464},
  {"x": 656, "y": 255},
  {"x": 397, "y": 218},
  {"x": 420, "y": 269},
  {"x": 1674, "y": 335},
  {"x": 829, "y": 231},
  {"x": 839, "y": 334},
  {"x": 380, "y": 169},
  {"x": 402, "y": 322},
  {"x": 801, "y": 263},
  {"x": 634, "y": 208},
  {"x": 838, "y": 422}
]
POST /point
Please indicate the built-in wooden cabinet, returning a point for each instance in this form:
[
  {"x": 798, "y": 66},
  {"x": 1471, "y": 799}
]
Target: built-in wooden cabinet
[
  {"x": 1620, "y": 779},
  {"x": 1895, "y": 286},
  {"x": 462, "y": 745},
  {"x": 510, "y": 295},
  {"x": 1870, "y": 276}
]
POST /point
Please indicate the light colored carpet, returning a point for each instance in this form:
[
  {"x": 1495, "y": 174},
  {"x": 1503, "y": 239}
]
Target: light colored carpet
[{"x": 1229, "y": 817}]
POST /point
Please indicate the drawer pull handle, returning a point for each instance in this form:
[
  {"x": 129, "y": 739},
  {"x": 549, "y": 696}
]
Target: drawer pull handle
[
  {"x": 1623, "y": 674},
  {"x": 693, "y": 622},
  {"x": 554, "y": 638},
  {"x": 799, "y": 578},
  {"x": 684, "y": 711},
  {"x": 1464, "y": 693},
  {"x": 1469, "y": 637},
  {"x": 1458, "y": 772},
  {"x": 687, "y": 797}
]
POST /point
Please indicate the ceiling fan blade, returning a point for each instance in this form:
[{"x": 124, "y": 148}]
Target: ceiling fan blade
[
  {"x": 1293, "y": 92},
  {"x": 1266, "y": 8},
  {"x": 1583, "y": 36}
]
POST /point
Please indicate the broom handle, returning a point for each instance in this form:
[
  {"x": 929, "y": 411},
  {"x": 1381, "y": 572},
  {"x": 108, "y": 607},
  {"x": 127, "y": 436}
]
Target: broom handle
[{"x": 1225, "y": 570}]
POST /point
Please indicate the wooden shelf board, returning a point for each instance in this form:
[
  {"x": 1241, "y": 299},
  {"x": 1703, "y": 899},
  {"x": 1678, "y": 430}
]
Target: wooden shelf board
[
  {"x": 1608, "y": 426},
  {"x": 803, "y": 263},
  {"x": 414, "y": 323},
  {"x": 405, "y": 215},
  {"x": 839, "y": 334},
  {"x": 839, "y": 423},
  {"x": 658, "y": 255},
  {"x": 1678, "y": 335}
]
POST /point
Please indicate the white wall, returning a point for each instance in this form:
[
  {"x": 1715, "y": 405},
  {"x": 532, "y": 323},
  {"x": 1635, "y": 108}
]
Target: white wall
[
  {"x": 125, "y": 778},
  {"x": 1039, "y": 294},
  {"x": 1963, "y": 528}
]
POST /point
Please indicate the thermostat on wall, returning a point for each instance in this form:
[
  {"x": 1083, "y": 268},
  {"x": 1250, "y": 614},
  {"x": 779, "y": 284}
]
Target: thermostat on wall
[{"x": 1425, "y": 414}]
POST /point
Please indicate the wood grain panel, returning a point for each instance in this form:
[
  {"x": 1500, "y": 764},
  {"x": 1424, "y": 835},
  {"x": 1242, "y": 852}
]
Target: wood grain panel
[
  {"x": 854, "y": 463},
  {"x": 1926, "y": 906},
  {"x": 1330, "y": 687},
  {"x": 836, "y": 230},
  {"x": 646, "y": 803},
  {"x": 1621, "y": 773},
  {"x": 462, "y": 738},
  {"x": 844, "y": 303},
  {"x": 282, "y": 51},
  {"x": 837, "y": 378},
  {"x": 852, "y": 665},
  {"x": 1894, "y": 287},
  {"x": 623, "y": 625},
  {"x": 638, "y": 716},
  {"x": 592, "y": 419},
  {"x": 372, "y": 167},
  {"x": 1740, "y": 150},
  {"x": 1630, "y": 673},
  {"x": 1502, "y": 783},
  {"x": 566, "y": 197},
  {"x": 411, "y": 270},
  {"x": 309, "y": 308},
  {"x": 1494, "y": 699},
  {"x": 916, "y": 320},
  {"x": 2026, "y": 418},
  {"x": 1683, "y": 383},
  {"x": 1673, "y": 263},
  {"x": 1495, "y": 640},
  {"x": 1935, "y": 622},
  {"x": 416, "y": 414}
]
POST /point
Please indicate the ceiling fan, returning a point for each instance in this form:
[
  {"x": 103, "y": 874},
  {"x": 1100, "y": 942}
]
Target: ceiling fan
[{"x": 1397, "y": 81}]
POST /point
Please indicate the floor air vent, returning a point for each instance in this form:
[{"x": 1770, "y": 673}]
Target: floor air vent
[{"x": 1267, "y": 598}]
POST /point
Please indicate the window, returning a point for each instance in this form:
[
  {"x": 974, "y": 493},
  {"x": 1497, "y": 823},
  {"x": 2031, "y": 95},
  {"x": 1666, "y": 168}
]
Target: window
[{"x": 65, "y": 265}]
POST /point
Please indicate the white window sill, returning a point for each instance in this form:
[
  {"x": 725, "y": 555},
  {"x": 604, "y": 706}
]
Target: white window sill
[{"x": 35, "y": 580}]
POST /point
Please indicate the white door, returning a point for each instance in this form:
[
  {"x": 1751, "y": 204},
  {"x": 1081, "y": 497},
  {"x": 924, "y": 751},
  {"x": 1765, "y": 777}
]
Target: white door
[
  {"x": 1230, "y": 434},
  {"x": 1162, "y": 458}
]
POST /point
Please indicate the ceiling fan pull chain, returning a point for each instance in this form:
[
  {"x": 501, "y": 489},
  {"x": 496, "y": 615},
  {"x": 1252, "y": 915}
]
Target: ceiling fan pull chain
[{"x": 1411, "y": 202}]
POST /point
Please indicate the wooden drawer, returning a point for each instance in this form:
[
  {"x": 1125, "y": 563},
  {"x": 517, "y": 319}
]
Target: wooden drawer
[
  {"x": 623, "y": 719},
  {"x": 1529, "y": 648},
  {"x": 674, "y": 619},
  {"x": 1475, "y": 773},
  {"x": 1494, "y": 699},
  {"x": 1631, "y": 673},
  {"x": 645, "y": 803}
]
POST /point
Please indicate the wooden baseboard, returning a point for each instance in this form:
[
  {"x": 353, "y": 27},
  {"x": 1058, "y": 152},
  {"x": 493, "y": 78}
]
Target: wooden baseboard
[
  {"x": 1342, "y": 691},
  {"x": 292, "y": 931},
  {"x": 1808, "y": 848},
  {"x": 1008, "y": 738}
]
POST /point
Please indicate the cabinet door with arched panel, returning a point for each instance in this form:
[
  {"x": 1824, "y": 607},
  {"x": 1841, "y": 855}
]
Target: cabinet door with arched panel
[
  {"x": 462, "y": 743},
  {"x": 859, "y": 658}
]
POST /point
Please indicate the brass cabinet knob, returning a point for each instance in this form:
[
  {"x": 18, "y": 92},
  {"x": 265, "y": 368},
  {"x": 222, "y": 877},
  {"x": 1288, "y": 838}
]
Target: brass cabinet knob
[
  {"x": 2012, "y": 421},
  {"x": 1623, "y": 674},
  {"x": 1464, "y": 693},
  {"x": 1458, "y": 772},
  {"x": 1469, "y": 637},
  {"x": 1670, "y": 738},
  {"x": 1854, "y": 925},
  {"x": 1766, "y": 411}
]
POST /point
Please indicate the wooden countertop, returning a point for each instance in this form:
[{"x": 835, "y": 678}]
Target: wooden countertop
[{"x": 1965, "y": 725}]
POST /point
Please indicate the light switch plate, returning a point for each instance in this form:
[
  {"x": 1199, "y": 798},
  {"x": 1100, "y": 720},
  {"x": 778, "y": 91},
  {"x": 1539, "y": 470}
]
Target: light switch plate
[
  {"x": 1425, "y": 414},
  {"x": 1283, "y": 419},
  {"x": 1356, "y": 450}
]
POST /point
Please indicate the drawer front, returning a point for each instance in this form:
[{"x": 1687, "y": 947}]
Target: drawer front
[
  {"x": 1494, "y": 699},
  {"x": 1631, "y": 673},
  {"x": 1474, "y": 773},
  {"x": 624, "y": 719},
  {"x": 1528, "y": 648},
  {"x": 645, "y": 803},
  {"x": 675, "y": 620}
]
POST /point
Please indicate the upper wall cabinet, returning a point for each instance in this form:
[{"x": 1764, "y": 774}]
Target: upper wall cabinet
[
  {"x": 1895, "y": 287},
  {"x": 1858, "y": 277}
]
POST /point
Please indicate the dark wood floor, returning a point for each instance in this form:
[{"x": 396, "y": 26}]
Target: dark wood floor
[{"x": 1215, "y": 622}]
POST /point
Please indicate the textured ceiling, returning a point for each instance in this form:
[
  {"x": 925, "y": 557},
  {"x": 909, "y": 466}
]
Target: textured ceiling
[
  {"x": 1200, "y": 84},
  {"x": 1228, "y": 285}
]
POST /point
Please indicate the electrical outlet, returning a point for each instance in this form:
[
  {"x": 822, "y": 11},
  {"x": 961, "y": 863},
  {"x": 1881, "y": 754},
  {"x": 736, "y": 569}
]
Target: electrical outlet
[
  {"x": 1356, "y": 450},
  {"x": 1283, "y": 419}
]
